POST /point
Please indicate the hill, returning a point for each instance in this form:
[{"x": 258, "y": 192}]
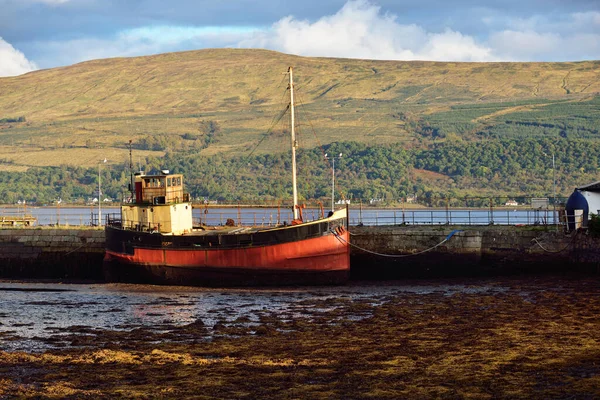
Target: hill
[{"x": 222, "y": 102}]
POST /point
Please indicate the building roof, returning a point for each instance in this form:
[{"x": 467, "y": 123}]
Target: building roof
[{"x": 590, "y": 187}]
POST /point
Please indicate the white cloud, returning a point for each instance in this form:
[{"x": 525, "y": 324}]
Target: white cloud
[
  {"x": 360, "y": 30},
  {"x": 588, "y": 19},
  {"x": 138, "y": 42},
  {"x": 454, "y": 46},
  {"x": 534, "y": 46},
  {"x": 50, "y": 2},
  {"x": 166, "y": 34},
  {"x": 575, "y": 37},
  {"x": 524, "y": 44},
  {"x": 12, "y": 61}
]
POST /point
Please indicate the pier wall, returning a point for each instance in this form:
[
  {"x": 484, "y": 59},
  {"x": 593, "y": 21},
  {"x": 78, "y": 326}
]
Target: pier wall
[
  {"x": 404, "y": 251},
  {"x": 51, "y": 253}
]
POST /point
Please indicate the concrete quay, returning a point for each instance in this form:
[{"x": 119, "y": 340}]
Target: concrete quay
[
  {"x": 51, "y": 253},
  {"x": 441, "y": 251},
  {"x": 381, "y": 252}
]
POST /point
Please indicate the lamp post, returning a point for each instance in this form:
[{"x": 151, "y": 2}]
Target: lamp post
[
  {"x": 554, "y": 192},
  {"x": 333, "y": 177},
  {"x": 554, "y": 180},
  {"x": 100, "y": 193},
  {"x": 554, "y": 187}
]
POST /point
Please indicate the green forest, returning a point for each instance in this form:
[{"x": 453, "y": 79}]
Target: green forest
[{"x": 495, "y": 168}]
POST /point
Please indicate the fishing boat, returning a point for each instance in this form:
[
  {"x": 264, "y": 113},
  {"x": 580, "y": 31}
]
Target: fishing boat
[{"x": 155, "y": 241}]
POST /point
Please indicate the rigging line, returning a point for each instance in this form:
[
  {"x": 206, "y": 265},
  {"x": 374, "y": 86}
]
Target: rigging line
[
  {"x": 284, "y": 76},
  {"x": 299, "y": 96},
  {"x": 342, "y": 240},
  {"x": 74, "y": 250},
  {"x": 337, "y": 188},
  {"x": 276, "y": 118},
  {"x": 301, "y": 116},
  {"x": 269, "y": 131},
  {"x": 284, "y": 98}
]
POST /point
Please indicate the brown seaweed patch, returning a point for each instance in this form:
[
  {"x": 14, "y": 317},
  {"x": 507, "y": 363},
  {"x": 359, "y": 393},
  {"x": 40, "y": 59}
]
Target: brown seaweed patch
[{"x": 532, "y": 339}]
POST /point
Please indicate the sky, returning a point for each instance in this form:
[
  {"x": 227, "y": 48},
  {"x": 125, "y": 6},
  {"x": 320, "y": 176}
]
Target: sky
[{"x": 37, "y": 34}]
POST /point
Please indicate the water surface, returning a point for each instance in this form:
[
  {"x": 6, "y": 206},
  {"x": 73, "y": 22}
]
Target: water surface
[{"x": 34, "y": 316}]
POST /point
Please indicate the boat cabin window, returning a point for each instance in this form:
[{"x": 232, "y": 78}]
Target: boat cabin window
[
  {"x": 154, "y": 182},
  {"x": 169, "y": 189}
]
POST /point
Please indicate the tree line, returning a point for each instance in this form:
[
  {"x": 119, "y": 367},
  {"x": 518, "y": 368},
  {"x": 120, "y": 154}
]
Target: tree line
[{"x": 502, "y": 167}]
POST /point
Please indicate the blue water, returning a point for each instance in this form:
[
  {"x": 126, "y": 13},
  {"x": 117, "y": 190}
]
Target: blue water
[{"x": 271, "y": 216}]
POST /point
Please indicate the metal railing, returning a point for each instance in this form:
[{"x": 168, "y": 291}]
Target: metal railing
[
  {"x": 115, "y": 220},
  {"x": 268, "y": 217},
  {"x": 454, "y": 217},
  {"x": 260, "y": 217}
]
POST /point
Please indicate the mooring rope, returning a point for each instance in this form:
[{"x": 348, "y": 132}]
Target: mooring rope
[
  {"x": 74, "y": 250},
  {"x": 342, "y": 240},
  {"x": 535, "y": 240}
]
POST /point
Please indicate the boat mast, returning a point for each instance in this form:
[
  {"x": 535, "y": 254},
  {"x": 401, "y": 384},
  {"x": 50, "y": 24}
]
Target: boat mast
[
  {"x": 131, "y": 185},
  {"x": 294, "y": 145}
]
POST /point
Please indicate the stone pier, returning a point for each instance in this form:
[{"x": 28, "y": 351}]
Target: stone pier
[
  {"x": 404, "y": 251},
  {"x": 51, "y": 253},
  {"x": 384, "y": 252}
]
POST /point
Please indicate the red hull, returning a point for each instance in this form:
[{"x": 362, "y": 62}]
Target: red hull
[{"x": 324, "y": 259}]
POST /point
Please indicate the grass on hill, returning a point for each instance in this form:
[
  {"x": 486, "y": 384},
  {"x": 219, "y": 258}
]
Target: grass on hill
[{"x": 223, "y": 102}]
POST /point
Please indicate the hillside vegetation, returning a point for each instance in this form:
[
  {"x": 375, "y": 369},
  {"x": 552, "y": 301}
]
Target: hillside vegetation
[{"x": 451, "y": 126}]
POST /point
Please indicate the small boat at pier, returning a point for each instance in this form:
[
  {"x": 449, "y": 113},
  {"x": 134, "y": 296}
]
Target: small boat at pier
[{"x": 14, "y": 221}]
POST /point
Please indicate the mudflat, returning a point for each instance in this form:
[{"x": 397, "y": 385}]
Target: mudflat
[{"x": 510, "y": 337}]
